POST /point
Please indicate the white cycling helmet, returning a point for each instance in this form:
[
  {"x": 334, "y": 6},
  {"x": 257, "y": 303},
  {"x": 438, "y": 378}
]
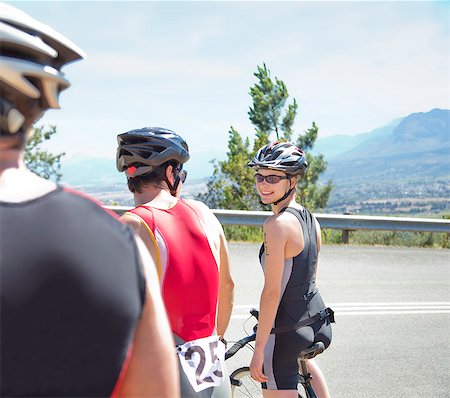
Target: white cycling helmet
[
  {"x": 31, "y": 57},
  {"x": 283, "y": 156}
]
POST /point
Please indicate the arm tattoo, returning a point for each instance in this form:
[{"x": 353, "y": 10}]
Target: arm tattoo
[{"x": 265, "y": 245}]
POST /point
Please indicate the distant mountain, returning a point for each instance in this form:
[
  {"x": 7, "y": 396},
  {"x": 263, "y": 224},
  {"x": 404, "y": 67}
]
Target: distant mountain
[
  {"x": 86, "y": 171},
  {"x": 83, "y": 170},
  {"x": 408, "y": 158},
  {"x": 333, "y": 146},
  {"x": 418, "y": 132},
  {"x": 418, "y": 146}
]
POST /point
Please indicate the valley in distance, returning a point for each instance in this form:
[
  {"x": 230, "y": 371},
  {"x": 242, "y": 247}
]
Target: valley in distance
[{"x": 400, "y": 169}]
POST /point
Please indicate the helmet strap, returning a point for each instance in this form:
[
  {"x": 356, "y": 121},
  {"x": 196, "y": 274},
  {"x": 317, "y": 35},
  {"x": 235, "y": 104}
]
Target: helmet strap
[
  {"x": 283, "y": 197},
  {"x": 173, "y": 188}
]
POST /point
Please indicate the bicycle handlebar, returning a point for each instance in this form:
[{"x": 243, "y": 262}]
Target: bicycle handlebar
[
  {"x": 239, "y": 344},
  {"x": 255, "y": 313},
  {"x": 244, "y": 341}
]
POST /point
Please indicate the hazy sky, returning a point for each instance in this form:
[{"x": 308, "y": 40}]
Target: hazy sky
[{"x": 188, "y": 66}]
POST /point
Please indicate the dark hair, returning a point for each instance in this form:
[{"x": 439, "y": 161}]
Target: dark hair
[{"x": 158, "y": 175}]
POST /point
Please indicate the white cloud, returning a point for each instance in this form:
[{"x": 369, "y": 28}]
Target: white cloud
[
  {"x": 353, "y": 66},
  {"x": 140, "y": 65}
]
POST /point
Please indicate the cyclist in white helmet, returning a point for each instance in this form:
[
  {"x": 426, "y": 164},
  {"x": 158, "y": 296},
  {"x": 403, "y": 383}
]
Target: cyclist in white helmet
[
  {"x": 292, "y": 315},
  {"x": 78, "y": 316}
]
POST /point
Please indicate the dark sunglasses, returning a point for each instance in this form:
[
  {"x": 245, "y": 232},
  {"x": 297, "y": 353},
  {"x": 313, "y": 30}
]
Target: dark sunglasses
[
  {"x": 182, "y": 174},
  {"x": 271, "y": 179}
]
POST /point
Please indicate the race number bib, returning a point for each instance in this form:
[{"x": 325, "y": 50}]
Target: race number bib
[{"x": 202, "y": 361}]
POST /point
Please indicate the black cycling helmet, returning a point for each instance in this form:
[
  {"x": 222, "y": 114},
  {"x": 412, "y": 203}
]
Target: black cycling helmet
[
  {"x": 282, "y": 156},
  {"x": 140, "y": 151},
  {"x": 31, "y": 57}
]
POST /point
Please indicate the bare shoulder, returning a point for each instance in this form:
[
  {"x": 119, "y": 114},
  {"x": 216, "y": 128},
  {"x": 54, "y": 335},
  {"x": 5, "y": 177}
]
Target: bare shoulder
[
  {"x": 317, "y": 223},
  {"x": 203, "y": 210},
  {"x": 196, "y": 204},
  {"x": 131, "y": 219},
  {"x": 208, "y": 218},
  {"x": 277, "y": 224}
]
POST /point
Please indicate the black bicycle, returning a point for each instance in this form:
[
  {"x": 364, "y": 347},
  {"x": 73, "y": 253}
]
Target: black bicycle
[{"x": 242, "y": 385}]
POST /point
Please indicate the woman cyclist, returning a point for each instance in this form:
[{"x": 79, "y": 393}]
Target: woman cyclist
[{"x": 292, "y": 314}]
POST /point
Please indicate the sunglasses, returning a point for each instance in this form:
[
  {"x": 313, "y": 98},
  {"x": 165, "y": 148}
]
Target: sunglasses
[
  {"x": 271, "y": 179},
  {"x": 182, "y": 175}
]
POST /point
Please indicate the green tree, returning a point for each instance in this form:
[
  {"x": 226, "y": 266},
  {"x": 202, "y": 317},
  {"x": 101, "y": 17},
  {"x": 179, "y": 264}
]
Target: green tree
[
  {"x": 232, "y": 183},
  {"x": 309, "y": 192},
  {"x": 39, "y": 160},
  {"x": 231, "y": 186}
]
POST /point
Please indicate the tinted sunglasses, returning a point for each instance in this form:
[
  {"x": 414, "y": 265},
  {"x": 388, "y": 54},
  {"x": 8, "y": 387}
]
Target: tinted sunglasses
[
  {"x": 271, "y": 179},
  {"x": 182, "y": 175}
]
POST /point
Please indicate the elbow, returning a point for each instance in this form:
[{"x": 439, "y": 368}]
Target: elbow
[
  {"x": 271, "y": 295},
  {"x": 227, "y": 284},
  {"x": 227, "y": 290},
  {"x": 230, "y": 284}
]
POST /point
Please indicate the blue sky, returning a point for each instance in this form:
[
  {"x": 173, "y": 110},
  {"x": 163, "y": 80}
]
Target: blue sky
[{"x": 188, "y": 66}]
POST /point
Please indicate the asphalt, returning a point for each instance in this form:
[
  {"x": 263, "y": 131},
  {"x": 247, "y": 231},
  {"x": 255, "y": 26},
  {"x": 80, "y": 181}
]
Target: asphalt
[{"x": 392, "y": 310}]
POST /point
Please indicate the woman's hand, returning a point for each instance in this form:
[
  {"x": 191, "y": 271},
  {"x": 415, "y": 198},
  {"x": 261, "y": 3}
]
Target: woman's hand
[{"x": 256, "y": 366}]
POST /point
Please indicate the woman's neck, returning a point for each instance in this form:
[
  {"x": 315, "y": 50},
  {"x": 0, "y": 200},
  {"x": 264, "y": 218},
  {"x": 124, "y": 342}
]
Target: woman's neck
[{"x": 288, "y": 202}]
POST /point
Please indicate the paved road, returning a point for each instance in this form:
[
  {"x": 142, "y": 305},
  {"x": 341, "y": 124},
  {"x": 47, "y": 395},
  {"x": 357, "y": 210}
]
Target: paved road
[{"x": 392, "y": 309}]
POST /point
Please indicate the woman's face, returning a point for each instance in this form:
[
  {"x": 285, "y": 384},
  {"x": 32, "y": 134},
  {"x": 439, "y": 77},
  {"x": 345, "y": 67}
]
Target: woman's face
[{"x": 272, "y": 190}]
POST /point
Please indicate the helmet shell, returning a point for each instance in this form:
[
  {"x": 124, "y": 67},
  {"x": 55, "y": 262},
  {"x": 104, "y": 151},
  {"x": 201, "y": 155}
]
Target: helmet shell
[
  {"x": 282, "y": 156},
  {"x": 149, "y": 147},
  {"x": 31, "y": 57}
]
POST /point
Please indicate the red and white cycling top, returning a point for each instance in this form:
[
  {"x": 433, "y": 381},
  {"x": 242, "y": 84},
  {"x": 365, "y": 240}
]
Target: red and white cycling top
[{"x": 188, "y": 271}]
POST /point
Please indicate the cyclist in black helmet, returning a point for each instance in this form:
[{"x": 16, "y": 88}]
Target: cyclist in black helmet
[
  {"x": 77, "y": 315},
  {"x": 292, "y": 314},
  {"x": 188, "y": 245}
]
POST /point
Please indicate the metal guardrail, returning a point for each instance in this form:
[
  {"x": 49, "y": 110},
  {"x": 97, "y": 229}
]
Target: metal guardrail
[{"x": 333, "y": 221}]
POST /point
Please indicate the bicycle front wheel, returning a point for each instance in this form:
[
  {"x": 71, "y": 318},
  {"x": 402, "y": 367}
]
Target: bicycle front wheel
[{"x": 249, "y": 387}]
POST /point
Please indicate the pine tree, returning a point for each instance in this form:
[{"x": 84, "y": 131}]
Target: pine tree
[
  {"x": 232, "y": 183},
  {"x": 41, "y": 161}
]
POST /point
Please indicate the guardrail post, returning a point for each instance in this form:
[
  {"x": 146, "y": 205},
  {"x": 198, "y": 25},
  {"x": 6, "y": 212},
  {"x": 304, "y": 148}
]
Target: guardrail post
[{"x": 345, "y": 236}]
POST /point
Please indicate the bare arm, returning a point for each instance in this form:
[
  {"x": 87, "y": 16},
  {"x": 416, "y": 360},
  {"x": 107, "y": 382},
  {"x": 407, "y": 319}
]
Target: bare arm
[
  {"x": 152, "y": 370},
  {"x": 226, "y": 288},
  {"x": 275, "y": 239},
  {"x": 319, "y": 242},
  {"x": 319, "y": 235}
]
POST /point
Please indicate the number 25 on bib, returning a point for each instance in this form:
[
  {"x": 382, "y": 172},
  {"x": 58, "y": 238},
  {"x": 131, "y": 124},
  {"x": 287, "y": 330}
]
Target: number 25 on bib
[{"x": 202, "y": 361}]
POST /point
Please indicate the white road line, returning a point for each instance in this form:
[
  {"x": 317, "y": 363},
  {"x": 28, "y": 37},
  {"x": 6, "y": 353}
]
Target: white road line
[
  {"x": 427, "y": 303},
  {"x": 393, "y": 308},
  {"x": 343, "y": 313}
]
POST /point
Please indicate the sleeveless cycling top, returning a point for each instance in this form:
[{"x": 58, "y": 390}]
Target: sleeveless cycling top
[
  {"x": 298, "y": 284},
  {"x": 189, "y": 274},
  {"x": 71, "y": 292}
]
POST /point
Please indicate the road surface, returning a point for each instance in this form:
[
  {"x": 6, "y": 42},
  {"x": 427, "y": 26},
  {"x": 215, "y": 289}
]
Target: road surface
[{"x": 392, "y": 305}]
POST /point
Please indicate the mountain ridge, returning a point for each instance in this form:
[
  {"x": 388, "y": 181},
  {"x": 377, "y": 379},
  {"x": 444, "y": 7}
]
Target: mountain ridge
[{"x": 388, "y": 162}]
